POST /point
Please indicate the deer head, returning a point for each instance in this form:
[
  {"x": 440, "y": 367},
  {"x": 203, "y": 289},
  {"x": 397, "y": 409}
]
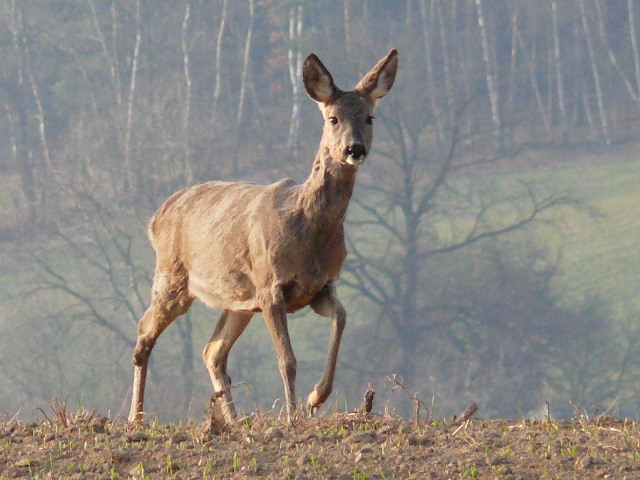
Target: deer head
[{"x": 348, "y": 116}]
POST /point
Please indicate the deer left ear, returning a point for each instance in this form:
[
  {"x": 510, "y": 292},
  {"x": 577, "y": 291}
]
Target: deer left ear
[{"x": 377, "y": 83}]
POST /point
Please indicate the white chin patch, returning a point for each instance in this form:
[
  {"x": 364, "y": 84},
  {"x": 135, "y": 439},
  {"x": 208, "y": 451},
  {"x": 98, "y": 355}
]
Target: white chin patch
[{"x": 355, "y": 161}]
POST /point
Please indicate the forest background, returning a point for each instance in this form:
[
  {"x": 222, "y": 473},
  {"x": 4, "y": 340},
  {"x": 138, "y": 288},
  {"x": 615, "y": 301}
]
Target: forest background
[{"x": 492, "y": 234}]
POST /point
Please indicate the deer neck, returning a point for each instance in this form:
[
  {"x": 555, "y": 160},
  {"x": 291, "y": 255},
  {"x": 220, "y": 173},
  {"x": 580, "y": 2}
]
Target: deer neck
[{"x": 324, "y": 196}]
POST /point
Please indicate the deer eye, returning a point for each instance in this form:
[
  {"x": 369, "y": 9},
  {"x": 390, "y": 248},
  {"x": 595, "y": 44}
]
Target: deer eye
[
  {"x": 369, "y": 120},
  {"x": 333, "y": 120}
]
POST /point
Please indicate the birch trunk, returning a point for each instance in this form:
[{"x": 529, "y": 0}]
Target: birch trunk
[
  {"x": 115, "y": 75},
  {"x": 633, "y": 90},
  {"x": 218, "y": 62},
  {"x": 431, "y": 88},
  {"x": 130, "y": 101},
  {"x": 116, "y": 61},
  {"x": 558, "y": 69},
  {"x": 528, "y": 59},
  {"x": 489, "y": 72},
  {"x": 587, "y": 110},
  {"x": 188, "y": 171},
  {"x": 513, "y": 69},
  {"x": 347, "y": 30},
  {"x": 42, "y": 132},
  {"x": 243, "y": 86},
  {"x": 185, "y": 332},
  {"x": 295, "y": 67},
  {"x": 634, "y": 42},
  {"x": 604, "y": 122},
  {"x": 464, "y": 56},
  {"x": 449, "y": 84}
]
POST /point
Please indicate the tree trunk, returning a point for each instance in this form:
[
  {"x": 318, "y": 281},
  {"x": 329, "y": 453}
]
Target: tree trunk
[
  {"x": 187, "y": 169},
  {"x": 243, "y": 88},
  {"x": 295, "y": 67},
  {"x": 634, "y": 91},
  {"x": 185, "y": 328},
  {"x": 531, "y": 66},
  {"x": 604, "y": 122},
  {"x": 218, "y": 62},
  {"x": 130, "y": 100},
  {"x": 634, "y": 42},
  {"x": 18, "y": 95},
  {"x": 558, "y": 69},
  {"x": 431, "y": 87},
  {"x": 489, "y": 73},
  {"x": 449, "y": 81},
  {"x": 347, "y": 28},
  {"x": 514, "y": 73}
]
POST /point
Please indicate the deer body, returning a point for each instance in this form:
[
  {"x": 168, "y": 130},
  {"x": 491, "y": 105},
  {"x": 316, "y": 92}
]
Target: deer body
[{"x": 273, "y": 249}]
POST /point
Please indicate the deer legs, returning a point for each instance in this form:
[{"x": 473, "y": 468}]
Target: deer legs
[
  {"x": 275, "y": 316},
  {"x": 326, "y": 303},
  {"x": 215, "y": 354},
  {"x": 169, "y": 300}
]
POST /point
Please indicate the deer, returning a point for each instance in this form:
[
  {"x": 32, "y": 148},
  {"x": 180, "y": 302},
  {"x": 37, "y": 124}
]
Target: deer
[{"x": 275, "y": 249}]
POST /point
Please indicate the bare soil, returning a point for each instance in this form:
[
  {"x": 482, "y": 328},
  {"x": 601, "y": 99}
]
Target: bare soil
[{"x": 338, "y": 446}]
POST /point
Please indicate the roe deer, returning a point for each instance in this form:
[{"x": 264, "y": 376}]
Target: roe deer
[{"x": 273, "y": 249}]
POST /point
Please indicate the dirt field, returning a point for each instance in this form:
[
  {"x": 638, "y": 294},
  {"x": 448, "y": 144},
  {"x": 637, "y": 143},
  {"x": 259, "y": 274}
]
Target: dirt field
[{"x": 338, "y": 446}]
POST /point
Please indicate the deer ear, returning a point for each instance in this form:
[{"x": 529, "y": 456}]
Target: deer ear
[
  {"x": 317, "y": 80},
  {"x": 377, "y": 83}
]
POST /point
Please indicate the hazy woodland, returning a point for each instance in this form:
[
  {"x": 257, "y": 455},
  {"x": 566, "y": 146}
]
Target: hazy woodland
[{"x": 492, "y": 234}]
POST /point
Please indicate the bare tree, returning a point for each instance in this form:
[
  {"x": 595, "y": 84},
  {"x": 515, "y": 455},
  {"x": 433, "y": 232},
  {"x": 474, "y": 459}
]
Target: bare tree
[{"x": 414, "y": 219}]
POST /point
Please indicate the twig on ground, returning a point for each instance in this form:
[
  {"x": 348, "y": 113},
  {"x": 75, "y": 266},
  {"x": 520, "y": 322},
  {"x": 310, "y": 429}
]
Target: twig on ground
[
  {"x": 417, "y": 403},
  {"x": 367, "y": 405},
  {"x": 469, "y": 412}
]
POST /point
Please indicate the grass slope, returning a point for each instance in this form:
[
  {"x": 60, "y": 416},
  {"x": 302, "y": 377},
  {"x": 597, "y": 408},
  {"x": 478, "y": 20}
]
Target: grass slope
[{"x": 598, "y": 248}]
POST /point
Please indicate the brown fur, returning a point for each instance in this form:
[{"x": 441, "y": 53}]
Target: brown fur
[{"x": 274, "y": 248}]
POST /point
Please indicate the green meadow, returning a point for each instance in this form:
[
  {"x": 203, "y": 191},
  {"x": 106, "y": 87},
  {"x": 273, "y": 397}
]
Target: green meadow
[{"x": 597, "y": 244}]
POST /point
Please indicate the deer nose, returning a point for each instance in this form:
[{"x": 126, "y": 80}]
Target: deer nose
[{"x": 357, "y": 151}]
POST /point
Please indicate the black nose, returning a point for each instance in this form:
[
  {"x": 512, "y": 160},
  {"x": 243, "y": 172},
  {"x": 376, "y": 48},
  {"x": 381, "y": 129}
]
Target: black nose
[{"x": 356, "y": 151}]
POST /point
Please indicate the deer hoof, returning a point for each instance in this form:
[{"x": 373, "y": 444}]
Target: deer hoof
[{"x": 317, "y": 396}]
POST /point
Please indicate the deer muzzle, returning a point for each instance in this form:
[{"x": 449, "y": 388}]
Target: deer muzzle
[{"x": 355, "y": 154}]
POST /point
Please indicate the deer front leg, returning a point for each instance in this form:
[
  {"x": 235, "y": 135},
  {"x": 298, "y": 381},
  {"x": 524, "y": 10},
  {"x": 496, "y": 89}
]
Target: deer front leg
[
  {"x": 326, "y": 303},
  {"x": 275, "y": 316},
  {"x": 215, "y": 355}
]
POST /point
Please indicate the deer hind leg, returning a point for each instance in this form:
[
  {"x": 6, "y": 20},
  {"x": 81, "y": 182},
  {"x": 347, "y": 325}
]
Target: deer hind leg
[
  {"x": 215, "y": 355},
  {"x": 326, "y": 303},
  {"x": 169, "y": 299}
]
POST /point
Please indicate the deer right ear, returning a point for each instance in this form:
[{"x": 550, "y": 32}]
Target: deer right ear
[{"x": 317, "y": 80}]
